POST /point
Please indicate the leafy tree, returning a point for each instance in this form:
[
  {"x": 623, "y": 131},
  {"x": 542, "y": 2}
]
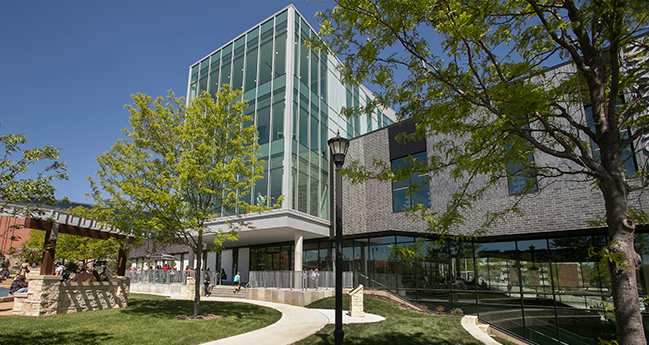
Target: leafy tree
[
  {"x": 15, "y": 162},
  {"x": 178, "y": 168},
  {"x": 476, "y": 70},
  {"x": 16, "y": 185}
]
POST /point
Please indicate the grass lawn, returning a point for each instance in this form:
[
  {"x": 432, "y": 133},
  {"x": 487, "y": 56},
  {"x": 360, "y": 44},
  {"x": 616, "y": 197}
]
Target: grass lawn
[
  {"x": 400, "y": 326},
  {"x": 147, "y": 320}
]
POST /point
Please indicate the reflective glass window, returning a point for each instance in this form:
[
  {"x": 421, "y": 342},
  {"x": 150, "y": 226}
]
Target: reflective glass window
[
  {"x": 237, "y": 64},
  {"x": 251, "y": 61},
  {"x": 226, "y": 65}
]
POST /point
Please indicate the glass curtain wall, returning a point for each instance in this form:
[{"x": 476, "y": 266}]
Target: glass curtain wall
[
  {"x": 544, "y": 290},
  {"x": 254, "y": 63}
]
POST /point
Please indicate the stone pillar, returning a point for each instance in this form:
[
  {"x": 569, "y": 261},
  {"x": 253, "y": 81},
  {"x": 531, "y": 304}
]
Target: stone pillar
[
  {"x": 41, "y": 298},
  {"x": 356, "y": 302},
  {"x": 189, "y": 288}
]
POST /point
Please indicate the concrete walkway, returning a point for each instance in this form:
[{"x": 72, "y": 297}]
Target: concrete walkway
[{"x": 296, "y": 323}]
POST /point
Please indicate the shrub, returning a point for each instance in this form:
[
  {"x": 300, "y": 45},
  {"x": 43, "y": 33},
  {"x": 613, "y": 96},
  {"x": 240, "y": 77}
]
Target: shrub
[
  {"x": 440, "y": 309},
  {"x": 457, "y": 311}
]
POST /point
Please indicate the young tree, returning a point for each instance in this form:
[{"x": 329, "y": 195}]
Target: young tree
[
  {"x": 178, "y": 168},
  {"x": 476, "y": 70},
  {"x": 15, "y": 186}
]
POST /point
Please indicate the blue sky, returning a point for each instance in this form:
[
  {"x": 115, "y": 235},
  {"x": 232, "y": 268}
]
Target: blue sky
[{"x": 67, "y": 68}]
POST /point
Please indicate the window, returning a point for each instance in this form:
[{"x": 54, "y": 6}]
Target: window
[
  {"x": 518, "y": 178},
  {"x": 401, "y": 200},
  {"x": 627, "y": 154}
]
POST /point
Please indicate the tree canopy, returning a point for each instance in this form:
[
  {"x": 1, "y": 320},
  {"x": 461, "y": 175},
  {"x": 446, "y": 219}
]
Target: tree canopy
[
  {"x": 16, "y": 182},
  {"x": 477, "y": 71},
  {"x": 180, "y": 168}
]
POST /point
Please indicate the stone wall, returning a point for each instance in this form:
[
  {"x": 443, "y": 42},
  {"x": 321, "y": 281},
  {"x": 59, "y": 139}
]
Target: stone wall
[
  {"x": 47, "y": 295},
  {"x": 293, "y": 297}
]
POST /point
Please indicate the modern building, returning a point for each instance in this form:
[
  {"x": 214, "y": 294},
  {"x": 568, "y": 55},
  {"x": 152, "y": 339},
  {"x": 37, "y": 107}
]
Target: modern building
[{"x": 534, "y": 275}]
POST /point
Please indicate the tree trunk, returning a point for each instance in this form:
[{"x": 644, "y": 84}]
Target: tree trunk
[
  {"x": 197, "y": 274},
  {"x": 630, "y": 330}
]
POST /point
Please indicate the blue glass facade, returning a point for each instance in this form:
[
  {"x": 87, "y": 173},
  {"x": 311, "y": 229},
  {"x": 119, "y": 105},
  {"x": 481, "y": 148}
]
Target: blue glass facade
[{"x": 295, "y": 96}]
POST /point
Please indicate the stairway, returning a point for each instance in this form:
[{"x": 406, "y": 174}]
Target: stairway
[{"x": 226, "y": 291}]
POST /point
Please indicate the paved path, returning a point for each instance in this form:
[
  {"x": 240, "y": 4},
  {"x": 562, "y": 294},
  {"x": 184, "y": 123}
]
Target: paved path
[{"x": 296, "y": 324}]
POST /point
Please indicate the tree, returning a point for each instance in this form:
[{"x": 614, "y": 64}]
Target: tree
[
  {"x": 15, "y": 184},
  {"x": 487, "y": 83},
  {"x": 178, "y": 168}
]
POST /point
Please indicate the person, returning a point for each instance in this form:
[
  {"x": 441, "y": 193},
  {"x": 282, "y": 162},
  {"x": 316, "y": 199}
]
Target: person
[
  {"x": 59, "y": 269},
  {"x": 83, "y": 276},
  {"x": 206, "y": 282},
  {"x": 260, "y": 200},
  {"x": 24, "y": 269},
  {"x": 95, "y": 274},
  {"x": 19, "y": 285},
  {"x": 237, "y": 285},
  {"x": 65, "y": 274},
  {"x": 223, "y": 275},
  {"x": 5, "y": 272}
]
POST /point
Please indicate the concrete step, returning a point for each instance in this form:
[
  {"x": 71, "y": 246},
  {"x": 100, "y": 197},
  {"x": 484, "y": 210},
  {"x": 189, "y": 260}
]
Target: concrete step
[{"x": 226, "y": 291}]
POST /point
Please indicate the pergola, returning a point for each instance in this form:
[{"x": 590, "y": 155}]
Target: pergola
[{"x": 54, "y": 222}]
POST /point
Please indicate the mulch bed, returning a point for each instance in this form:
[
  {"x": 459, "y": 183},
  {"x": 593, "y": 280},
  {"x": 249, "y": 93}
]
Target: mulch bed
[{"x": 199, "y": 317}]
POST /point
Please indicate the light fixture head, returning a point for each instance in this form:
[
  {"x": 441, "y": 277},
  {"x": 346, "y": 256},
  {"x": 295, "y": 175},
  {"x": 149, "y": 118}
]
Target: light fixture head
[{"x": 338, "y": 147}]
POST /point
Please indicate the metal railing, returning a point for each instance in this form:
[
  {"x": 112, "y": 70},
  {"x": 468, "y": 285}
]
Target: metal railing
[
  {"x": 159, "y": 276},
  {"x": 304, "y": 280}
]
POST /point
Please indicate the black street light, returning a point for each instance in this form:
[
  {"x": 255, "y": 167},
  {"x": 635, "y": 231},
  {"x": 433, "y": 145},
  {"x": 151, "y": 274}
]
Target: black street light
[{"x": 338, "y": 147}]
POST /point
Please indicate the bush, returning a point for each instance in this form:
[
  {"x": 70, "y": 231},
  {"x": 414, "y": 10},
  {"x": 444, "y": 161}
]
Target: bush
[
  {"x": 457, "y": 311},
  {"x": 440, "y": 309}
]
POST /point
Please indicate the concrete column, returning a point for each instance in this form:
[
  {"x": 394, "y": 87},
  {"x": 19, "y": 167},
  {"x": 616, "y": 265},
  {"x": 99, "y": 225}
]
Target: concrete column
[
  {"x": 244, "y": 264},
  {"x": 226, "y": 263},
  {"x": 297, "y": 262},
  {"x": 191, "y": 260},
  {"x": 299, "y": 243}
]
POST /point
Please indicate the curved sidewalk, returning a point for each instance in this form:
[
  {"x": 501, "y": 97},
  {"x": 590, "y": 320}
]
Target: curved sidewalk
[{"x": 296, "y": 324}]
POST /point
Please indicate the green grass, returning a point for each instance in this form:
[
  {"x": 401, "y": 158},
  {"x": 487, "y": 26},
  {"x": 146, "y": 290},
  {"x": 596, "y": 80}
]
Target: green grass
[
  {"x": 147, "y": 320},
  {"x": 404, "y": 327}
]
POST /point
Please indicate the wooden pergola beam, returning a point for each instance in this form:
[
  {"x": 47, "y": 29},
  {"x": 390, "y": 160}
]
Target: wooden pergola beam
[{"x": 75, "y": 230}]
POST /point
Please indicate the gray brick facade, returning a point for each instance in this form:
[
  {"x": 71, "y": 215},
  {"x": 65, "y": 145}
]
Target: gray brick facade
[{"x": 559, "y": 206}]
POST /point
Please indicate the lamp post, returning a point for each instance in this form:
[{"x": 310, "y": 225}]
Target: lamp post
[{"x": 338, "y": 147}]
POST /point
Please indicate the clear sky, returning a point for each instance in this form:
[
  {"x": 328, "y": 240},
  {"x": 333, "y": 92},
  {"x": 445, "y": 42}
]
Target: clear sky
[{"x": 67, "y": 68}]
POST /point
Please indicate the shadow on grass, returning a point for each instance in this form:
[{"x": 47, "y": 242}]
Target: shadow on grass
[
  {"x": 49, "y": 337},
  {"x": 322, "y": 338},
  {"x": 161, "y": 307}
]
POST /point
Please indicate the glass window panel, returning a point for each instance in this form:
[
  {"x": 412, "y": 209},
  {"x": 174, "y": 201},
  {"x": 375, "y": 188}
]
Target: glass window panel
[
  {"x": 314, "y": 133},
  {"x": 315, "y": 66},
  {"x": 303, "y": 193},
  {"x": 294, "y": 186},
  {"x": 326, "y": 257},
  {"x": 251, "y": 64},
  {"x": 263, "y": 118},
  {"x": 313, "y": 202},
  {"x": 498, "y": 270},
  {"x": 249, "y": 111},
  {"x": 226, "y": 65},
  {"x": 574, "y": 270},
  {"x": 215, "y": 64},
  {"x": 304, "y": 60},
  {"x": 204, "y": 75},
  {"x": 237, "y": 64},
  {"x": 261, "y": 185},
  {"x": 276, "y": 181},
  {"x": 323, "y": 76},
  {"x": 280, "y": 48},
  {"x": 304, "y": 122},
  {"x": 266, "y": 56},
  {"x": 324, "y": 199},
  {"x": 193, "y": 83}
]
